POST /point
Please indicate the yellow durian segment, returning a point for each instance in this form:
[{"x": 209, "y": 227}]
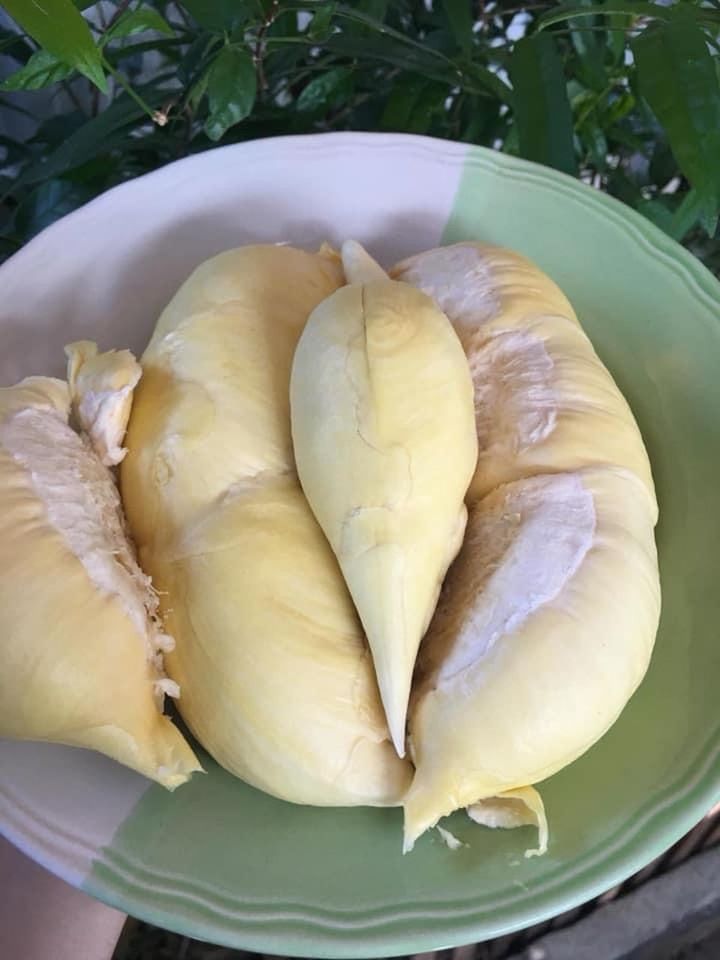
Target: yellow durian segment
[
  {"x": 101, "y": 392},
  {"x": 544, "y": 629},
  {"x": 385, "y": 445},
  {"x": 277, "y": 681},
  {"x": 80, "y": 642},
  {"x": 543, "y": 399},
  {"x": 548, "y": 616},
  {"x": 212, "y": 408},
  {"x": 299, "y": 696},
  {"x": 522, "y": 807}
]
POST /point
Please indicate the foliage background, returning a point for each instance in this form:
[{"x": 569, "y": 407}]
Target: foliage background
[{"x": 624, "y": 95}]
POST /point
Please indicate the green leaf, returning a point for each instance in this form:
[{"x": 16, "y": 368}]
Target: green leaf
[
  {"x": 13, "y": 39},
  {"x": 198, "y": 90},
  {"x": 595, "y": 142},
  {"x": 460, "y": 18},
  {"x": 631, "y": 8},
  {"x": 8, "y": 245},
  {"x": 326, "y": 90},
  {"x": 542, "y": 110},
  {"x": 137, "y": 21},
  {"x": 488, "y": 81},
  {"x": 590, "y": 50},
  {"x": 58, "y": 128},
  {"x": 677, "y": 223},
  {"x": 626, "y": 138},
  {"x": 92, "y": 138},
  {"x": 412, "y": 104},
  {"x": 41, "y": 70},
  {"x": 231, "y": 89},
  {"x": 618, "y": 108},
  {"x": 284, "y": 26},
  {"x": 709, "y": 219},
  {"x": 399, "y": 49},
  {"x": 686, "y": 215},
  {"x": 386, "y": 49},
  {"x": 618, "y": 24},
  {"x": 373, "y": 8},
  {"x": 481, "y": 121},
  {"x": 195, "y": 59},
  {"x": 663, "y": 165},
  {"x": 12, "y": 150},
  {"x": 625, "y": 189},
  {"x": 416, "y": 58},
  {"x": 217, "y": 15},
  {"x": 321, "y": 23},
  {"x": 443, "y": 41},
  {"x": 59, "y": 27},
  {"x": 48, "y": 203},
  {"x": 658, "y": 213},
  {"x": 511, "y": 145},
  {"x": 169, "y": 48},
  {"x": 390, "y": 39},
  {"x": 677, "y": 77}
]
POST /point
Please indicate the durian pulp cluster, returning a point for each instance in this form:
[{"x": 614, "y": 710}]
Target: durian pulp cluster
[{"x": 386, "y": 538}]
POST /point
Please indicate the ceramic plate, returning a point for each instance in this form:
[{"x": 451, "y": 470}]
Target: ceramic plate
[{"x": 222, "y": 862}]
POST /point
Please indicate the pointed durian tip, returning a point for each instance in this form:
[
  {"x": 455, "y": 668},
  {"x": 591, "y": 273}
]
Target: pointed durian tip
[
  {"x": 420, "y": 813},
  {"x": 393, "y": 672},
  {"x": 358, "y": 265},
  {"x": 396, "y": 726}
]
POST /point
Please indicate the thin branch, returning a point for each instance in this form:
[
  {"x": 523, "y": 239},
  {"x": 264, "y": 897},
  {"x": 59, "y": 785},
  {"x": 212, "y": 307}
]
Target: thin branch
[
  {"x": 178, "y": 7},
  {"x": 522, "y": 8},
  {"x": 567, "y": 32},
  {"x": 259, "y": 46},
  {"x": 101, "y": 16},
  {"x": 302, "y": 40},
  {"x": 345, "y": 110},
  {"x": 67, "y": 87},
  {"x": 119, "y": 11},
  {"x": 184, "y": 143},
  {"x": 7, "y": 104}
]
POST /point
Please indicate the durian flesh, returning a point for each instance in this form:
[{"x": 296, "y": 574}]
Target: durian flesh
[
  {"x": 82, "y": 647},
  {"x": 276, "y": 677},
  {"x": 385, "y": 445},
  {"x": 548, "y": 616},
  {"x": 546, "y": 619},
  {"x": 544, "y": 402},
  {"x": 543, "y": 632}
]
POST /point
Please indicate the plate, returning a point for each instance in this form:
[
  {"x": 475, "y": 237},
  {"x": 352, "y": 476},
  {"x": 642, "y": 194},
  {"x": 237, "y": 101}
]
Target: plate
[{"x": 223, "y": 862}]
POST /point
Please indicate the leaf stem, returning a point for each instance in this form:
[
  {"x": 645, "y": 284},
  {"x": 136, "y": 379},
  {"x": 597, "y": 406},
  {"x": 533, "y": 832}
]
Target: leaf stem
[{"x": 128, "y": 88}]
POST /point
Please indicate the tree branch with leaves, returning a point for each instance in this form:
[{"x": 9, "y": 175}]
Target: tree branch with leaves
[{"x": 624, "y": 95}]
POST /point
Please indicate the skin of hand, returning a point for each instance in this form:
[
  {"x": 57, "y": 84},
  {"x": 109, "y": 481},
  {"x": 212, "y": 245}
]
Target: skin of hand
[{"x": 42, "y": 916}]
